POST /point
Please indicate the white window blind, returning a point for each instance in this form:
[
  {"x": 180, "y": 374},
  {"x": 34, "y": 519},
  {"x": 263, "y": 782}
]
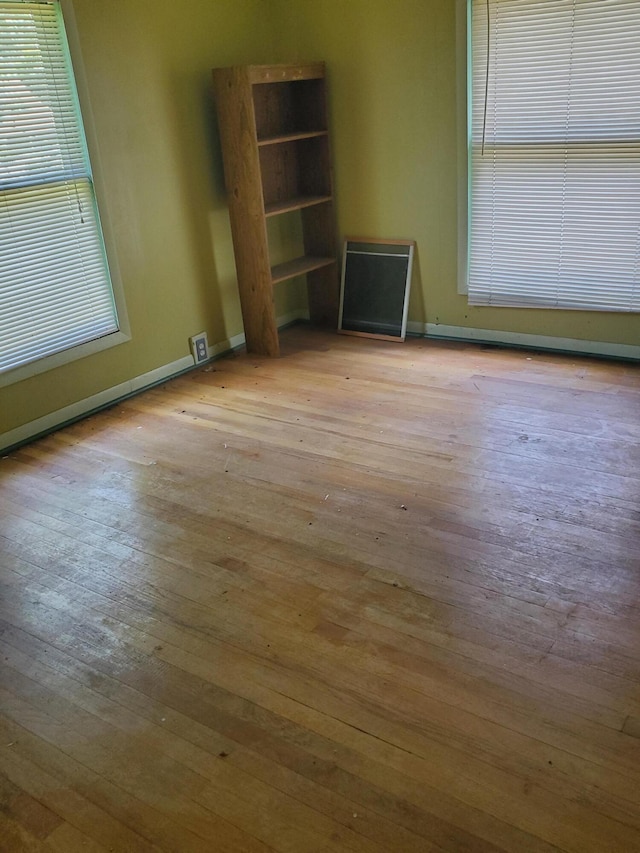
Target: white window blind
[
  {"x": 55, "y": 290},
  {"x": 555, "y": 154}
]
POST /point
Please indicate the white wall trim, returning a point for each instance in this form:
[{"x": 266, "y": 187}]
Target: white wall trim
[
  {"x": 78, "y": 410},
  {"x": 123, "y": 333},
  {"x": 75, "y": 411},
  {"x": 519, "y": 339},
  {"x": 463, "y": 121}
]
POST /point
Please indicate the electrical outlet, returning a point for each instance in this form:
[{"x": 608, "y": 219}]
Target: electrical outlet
[{"x": 199, "y": 347}]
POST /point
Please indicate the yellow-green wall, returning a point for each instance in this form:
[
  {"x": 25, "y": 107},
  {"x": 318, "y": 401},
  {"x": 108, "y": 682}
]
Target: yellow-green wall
[
  {"x": 392, "y": 69},
  {"x": 392, "y": 79},
  {"x": 148, "y": 68}
]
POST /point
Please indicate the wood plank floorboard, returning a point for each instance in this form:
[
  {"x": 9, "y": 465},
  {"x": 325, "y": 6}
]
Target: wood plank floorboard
[{"x": 367, "y": 597}]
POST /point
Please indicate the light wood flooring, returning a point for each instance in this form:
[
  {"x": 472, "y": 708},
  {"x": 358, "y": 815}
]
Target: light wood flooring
[{"x": 364, "y": 597}]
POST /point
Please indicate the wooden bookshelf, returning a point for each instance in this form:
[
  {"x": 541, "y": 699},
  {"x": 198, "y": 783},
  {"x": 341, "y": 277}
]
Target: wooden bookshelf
[
  {"x": 275, "y": 147},
  {"x": 298, "y": 266}
]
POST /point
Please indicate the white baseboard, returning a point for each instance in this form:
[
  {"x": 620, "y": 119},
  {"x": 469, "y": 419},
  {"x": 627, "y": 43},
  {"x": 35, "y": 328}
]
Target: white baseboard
[
  {"x": 519, "y": 339},
  {"x": 78, "y": 410},
  {"x": 56, "y": 419}
]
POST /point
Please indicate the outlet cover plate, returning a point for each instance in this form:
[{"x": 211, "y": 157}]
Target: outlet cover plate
[{"x": 199, "y": 348}]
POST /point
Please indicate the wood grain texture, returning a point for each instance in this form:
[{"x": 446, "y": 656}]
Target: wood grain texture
[
  {"x": 265, "y": 74},
  {"x": 284, "y": 105},
  {"x": 241, "y": 159},
  {"x": 369, "y": 596}
]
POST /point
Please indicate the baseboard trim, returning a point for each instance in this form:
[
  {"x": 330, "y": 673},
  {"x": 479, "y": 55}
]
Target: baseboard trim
[
  {"x": 518, "y": 339},
  {"x": 40, "y": 427},
  {"x": 111, "y": 396}
]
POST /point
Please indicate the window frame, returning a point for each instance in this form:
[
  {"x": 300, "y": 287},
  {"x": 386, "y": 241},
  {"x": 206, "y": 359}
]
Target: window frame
[
  {"x": 123, "y": 334},
  {"x": 463, "y": 13},
  {"x": 463, "y": 105}
]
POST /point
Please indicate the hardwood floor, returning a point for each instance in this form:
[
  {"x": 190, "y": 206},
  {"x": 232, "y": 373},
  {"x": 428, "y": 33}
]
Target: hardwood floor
[{"x": 365, "y": 597}]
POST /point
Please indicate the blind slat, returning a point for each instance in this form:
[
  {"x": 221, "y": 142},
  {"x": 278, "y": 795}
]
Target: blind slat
[
  {"x": 55, "y": 289},
  {"x": 555, "y": 154}
]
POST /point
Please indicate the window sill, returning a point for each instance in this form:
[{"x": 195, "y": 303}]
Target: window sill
[{"x": 59, "y": 359}]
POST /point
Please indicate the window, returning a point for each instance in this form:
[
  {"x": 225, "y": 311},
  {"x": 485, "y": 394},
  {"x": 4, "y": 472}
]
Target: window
[
  {"x": 55, "y": 287},
  {"x": 555, "y": 154}
]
